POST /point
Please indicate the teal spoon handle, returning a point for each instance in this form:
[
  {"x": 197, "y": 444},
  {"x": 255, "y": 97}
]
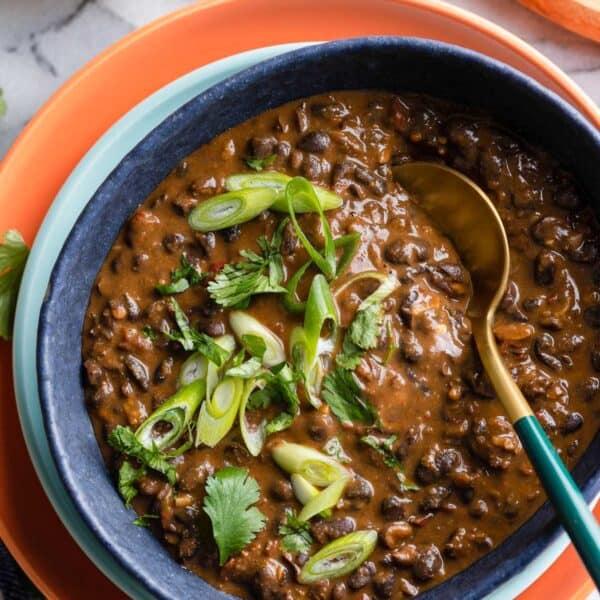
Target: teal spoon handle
[{"x": 571, "y": 508}]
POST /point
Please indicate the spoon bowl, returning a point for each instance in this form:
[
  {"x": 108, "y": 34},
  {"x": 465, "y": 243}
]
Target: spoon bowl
[{"x": 465, "y": 213}]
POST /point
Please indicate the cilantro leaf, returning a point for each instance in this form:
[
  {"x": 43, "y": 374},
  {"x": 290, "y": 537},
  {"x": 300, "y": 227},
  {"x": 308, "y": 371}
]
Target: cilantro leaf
[
  {"x": 148, "y": 332},
  {"x": 258, "y": 164},
  {"x": 144, "y": 520},
  {"x": 350, "y": 356},
  {"x": 124, "y": 441},
  {"x": 254, "y": 344},
  {"x": 295, "y": 534},
  {"x": 190, "y": 339},
  {"x": 245, "y": 370},
  {"x": 334, "y": 448},
  {"x": 345, "y": 398},
  {"x": 384, "y": 447},
  {"x": 128, "y": 476},
  {"x": 13, "y": 256},
  {"x": 181, "y": 279},
  {"x": 280, "y": 388},
  {"x": 230, "y": 494},
  {"x": 236, "y": 283},
  {"x": 366, "y": 326}
]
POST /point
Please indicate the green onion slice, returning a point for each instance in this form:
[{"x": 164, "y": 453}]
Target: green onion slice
[
  {"x": 306, "y": 343},
  {"x": 278, "y": 181},
  {"x": 177, "y": 411},
  {"x": 340, "y": 557},
  {"x": 299, "y": 190},
  {"x": 194, "y": 368},
  {"x": 243, "y": 324},
  {"x": 317, "y": 468},
  {"x": 217, "y": 416},
  {"x": 253, "y": 438},
  {"x": 305, "y": 492},
  {"x": 213, "y": 372},
  {"x": 232, "y": 208},
  {"x": 352, "y": 279},
  {"x": 324, "y": 500}
]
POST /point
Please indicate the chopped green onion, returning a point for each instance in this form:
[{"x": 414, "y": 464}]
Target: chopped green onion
[
  {"x": 177, "y": 411},
  {"x": 278, "y": 181},
  {"x": 335, "y": 449},
  {"x": 340, "y": 557},
  {"x": 243, "y": 324},
  {"x": 307, "y": 344},
  {"x": 324, "y": 500},
  {"x": 192, "y": 369},
  {"x": 253, "y": 438},
  {"x": 218, "y": 414},
  {"x": 299, "y": 190},
  {"x": 317, "y": 468},
  {"x": 232, "y": 208}
]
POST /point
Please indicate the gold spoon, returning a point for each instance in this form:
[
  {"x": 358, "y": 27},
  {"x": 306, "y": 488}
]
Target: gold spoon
[{"x": 464, "y": 212}]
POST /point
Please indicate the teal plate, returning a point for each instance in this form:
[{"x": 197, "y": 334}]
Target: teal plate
[{"x": 89, "y": 174}]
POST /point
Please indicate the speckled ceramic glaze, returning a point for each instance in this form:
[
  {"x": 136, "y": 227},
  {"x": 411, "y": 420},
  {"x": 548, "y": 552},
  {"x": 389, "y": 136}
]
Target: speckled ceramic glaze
[{"x": 397, "y": 64}]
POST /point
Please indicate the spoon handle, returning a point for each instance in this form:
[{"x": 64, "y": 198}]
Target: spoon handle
[{"x": 570, "y": 506}]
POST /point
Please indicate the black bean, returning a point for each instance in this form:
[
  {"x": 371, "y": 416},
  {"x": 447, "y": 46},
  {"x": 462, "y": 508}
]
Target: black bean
[
  {"x": 362, "y": 576},
  {"x": 282, "y": 490},
  {"x": 138, "y": 370},
  {"x": 231, "y": 234},
  {"x": 543, "y": 346},
  {"x": 315, "y": 141},
  {"x": 573, "y": 422},
  {"x": 383, "y": 584},
  {"x": 173, "y": 242},
  {"x": 206, "y": 241},
  {"x": 335, "y": 112},
  {"x": 262, "y": 147},
  {"x": 359, "y": 489},
  {"x": 376, "y": 184},
  {"x": 410, "y": 347},
  {"x": 408, "y": 250},
  {"x": 133, "y": 308},
  {"x": 545, "y": 266},
  {"x": 429, "y": 563},
  {"x": 331, "y": 529},
  {"x": 164, "y": 370},
  {"x": 394, "y": 508}
]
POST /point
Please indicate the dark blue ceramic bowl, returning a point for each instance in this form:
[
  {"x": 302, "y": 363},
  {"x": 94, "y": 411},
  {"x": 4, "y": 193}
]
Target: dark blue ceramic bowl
[{"x": 395, "y": 64}]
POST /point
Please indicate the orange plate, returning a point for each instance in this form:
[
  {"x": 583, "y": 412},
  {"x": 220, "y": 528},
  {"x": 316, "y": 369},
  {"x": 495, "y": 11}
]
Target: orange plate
[{"x": 86, "y": 106}]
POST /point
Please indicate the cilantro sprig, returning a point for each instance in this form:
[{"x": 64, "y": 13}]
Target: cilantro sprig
[
  {"x": 182, "y": 278},
  {"x": 124, "y": 441},
  {"x": 193, "y": 340},
  {"x": 13, "y": 256},
  {"x": 296, "y": 536},
  {"x": 230, "y": 494},
  {"x": 384, "y": 446},
  {"x": 262, "y": 273}
]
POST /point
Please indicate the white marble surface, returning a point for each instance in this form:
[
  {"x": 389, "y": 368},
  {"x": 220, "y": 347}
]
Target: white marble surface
[{"x": 43, "y": 42}]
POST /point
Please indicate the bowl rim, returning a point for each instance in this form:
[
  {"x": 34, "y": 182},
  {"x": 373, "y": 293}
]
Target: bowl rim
[{"x": 44, "y": 350}]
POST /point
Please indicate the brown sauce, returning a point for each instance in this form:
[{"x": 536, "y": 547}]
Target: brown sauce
[{"x": 476, "y": 485}]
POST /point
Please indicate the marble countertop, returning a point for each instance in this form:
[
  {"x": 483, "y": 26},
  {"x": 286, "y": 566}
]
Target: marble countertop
[{"x": 49, "y": 40}]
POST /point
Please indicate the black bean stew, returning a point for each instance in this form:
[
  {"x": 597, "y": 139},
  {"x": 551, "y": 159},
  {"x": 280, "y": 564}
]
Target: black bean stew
[{"x": 428, "y": 459}]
